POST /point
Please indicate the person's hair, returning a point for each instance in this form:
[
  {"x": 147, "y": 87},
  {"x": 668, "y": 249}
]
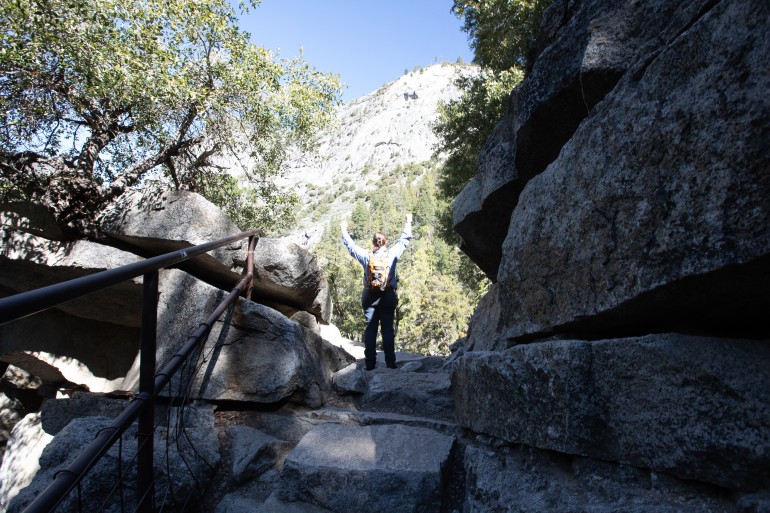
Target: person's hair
[{"x": 379, "y": 239}]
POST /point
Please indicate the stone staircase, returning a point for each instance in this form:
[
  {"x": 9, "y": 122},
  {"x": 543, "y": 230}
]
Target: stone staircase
[{"x": 386, "y": 442}]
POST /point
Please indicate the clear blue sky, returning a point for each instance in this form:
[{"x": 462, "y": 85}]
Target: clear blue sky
[{"x": 367, "y": 42}]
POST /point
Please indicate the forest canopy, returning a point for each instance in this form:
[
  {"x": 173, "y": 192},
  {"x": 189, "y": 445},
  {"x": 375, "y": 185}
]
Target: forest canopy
[{"x": 97, "y": 96}]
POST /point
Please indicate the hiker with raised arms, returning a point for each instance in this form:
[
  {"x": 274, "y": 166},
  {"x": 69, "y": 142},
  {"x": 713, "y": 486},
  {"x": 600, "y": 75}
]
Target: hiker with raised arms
[{"x": 379, "y": 298}]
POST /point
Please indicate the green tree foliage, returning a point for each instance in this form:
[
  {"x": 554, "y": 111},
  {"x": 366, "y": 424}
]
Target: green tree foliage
[
  {"x": 464, "y": 124},
  {"x": 500, "y": 32},
  {"x": 435, "y": 302},
  {"x": 96, "y": 96},
  {"x": 434, "y": 305},
  {"x": 361, "y": 219},
  {"x": 245, "y": 204}
]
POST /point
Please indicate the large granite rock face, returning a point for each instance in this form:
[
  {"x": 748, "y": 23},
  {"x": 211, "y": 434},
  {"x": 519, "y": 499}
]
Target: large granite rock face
[
  {"x": 285, "y": 276},
  {"x": 68, "y": 350},
  {"x": 275, "y": 358},
  {"x": 628, "y": 320},
  {"x": 252, "y": 354},
  {"x": 586, "y": 47},
  {"x": 484, "y": 333},
  {"x": 693, "y": 407},
  {"x": 530, "y": 481},
  {"x": 164, "y": 221},
  {"x": 262, "y": 357},
  {"x": 656, "y": 215},
  {"x": 288, "y": 274}
]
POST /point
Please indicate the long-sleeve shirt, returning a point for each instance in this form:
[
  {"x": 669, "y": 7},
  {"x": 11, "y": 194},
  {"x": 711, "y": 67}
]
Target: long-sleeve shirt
[{"x": 393, "y": 253}]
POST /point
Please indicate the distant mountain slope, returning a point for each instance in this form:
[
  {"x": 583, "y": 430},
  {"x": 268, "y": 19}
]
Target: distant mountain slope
[{"x": 370, "y": 136}]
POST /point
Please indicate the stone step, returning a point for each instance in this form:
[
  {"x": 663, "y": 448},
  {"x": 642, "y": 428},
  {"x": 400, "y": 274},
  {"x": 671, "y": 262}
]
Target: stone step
[
  {"x": 356, "y": 469},
  {"x": 417, "y": 393},
  {"x": 374, "y": 418}
]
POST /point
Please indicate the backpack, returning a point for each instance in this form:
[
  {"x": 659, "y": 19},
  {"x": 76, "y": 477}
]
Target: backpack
[{"x": 379, "y": 270}]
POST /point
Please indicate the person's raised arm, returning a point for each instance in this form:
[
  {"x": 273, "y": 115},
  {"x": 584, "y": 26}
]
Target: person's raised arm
[
  {"x": 406, "y": 236},
  {"x": 354, "y": 249}
]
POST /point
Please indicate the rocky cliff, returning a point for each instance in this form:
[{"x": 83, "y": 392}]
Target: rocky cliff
[
  {"x": 368, "y": 138},
  {"x": 622, "y": 207}
]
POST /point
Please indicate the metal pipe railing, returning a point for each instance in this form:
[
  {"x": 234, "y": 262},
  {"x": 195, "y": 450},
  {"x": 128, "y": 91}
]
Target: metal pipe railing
[
  {"x": 145, "y": 430},
  {"x": 35, "y": 301},
  {"x": 142, "y": 405}
]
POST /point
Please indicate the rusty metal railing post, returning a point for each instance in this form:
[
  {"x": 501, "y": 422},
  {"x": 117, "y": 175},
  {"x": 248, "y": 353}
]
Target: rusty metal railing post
[
  {"x": 250, "y": 264},
  {"x": 146, "y": 427}
]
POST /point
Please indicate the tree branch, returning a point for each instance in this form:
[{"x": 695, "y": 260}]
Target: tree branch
[
  {"x": 100, "y": 138},
  {"x": 172, "y": 171},
  {"x": 134, "y": 174}
]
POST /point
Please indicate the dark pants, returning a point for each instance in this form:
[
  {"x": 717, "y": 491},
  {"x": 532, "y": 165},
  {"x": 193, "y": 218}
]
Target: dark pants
[{"x": 379, "y": 309}]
